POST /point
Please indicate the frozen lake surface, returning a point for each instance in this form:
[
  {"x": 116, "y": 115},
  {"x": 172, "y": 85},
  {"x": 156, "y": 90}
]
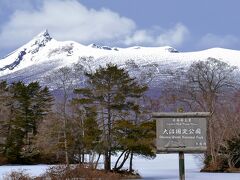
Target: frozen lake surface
[{"x": 163, "y": 167}]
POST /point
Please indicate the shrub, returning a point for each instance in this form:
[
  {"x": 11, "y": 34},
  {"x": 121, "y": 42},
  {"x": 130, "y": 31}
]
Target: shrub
[
  {"x": 63, "y": 172},
  {"x": 17, "y": 175}
]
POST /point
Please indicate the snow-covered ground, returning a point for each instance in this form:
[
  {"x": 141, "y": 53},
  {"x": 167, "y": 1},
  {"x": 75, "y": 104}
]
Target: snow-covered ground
[{"x": 164, "y": 166}]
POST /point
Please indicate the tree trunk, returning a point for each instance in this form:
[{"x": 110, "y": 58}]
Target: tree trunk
[
  {"x": 107, "y": 161},
  {"x": 115, "y": 166},
  {"x": 65, "y": 144},
  {"x": 96, "y": 164},
  {"x": 130, "y": 162},
  {"x": 83, "y": 157},
  {"x": 124, "y": 160},
  {"x": 65, "y": 128}
]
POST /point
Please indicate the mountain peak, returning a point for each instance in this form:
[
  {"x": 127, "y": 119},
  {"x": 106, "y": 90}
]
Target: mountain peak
[
  {"x": 39, "y": 41},
  {"x": 44, "y": 35}
]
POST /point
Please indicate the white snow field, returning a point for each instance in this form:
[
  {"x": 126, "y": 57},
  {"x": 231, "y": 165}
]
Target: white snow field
[
  {"x": 44, "y": 54},
  {"x": 163, "y": 167}
]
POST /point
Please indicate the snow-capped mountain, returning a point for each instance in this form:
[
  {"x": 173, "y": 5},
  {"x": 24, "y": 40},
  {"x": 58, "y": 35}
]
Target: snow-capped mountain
[{"x": 44, "y": 54}]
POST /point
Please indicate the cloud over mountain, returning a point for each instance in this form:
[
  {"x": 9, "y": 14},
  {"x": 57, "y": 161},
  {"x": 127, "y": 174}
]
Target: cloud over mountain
[
  {"x": 67, "y": 20},
  {"x": 174, "y": 36},
  {"x": 70, "y": 20}
]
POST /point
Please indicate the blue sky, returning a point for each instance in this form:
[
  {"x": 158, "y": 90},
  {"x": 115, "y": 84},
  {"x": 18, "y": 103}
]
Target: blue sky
[{"x": 184, "y": 24}]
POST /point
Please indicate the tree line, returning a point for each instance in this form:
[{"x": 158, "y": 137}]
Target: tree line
[
  {"x": 101, "y": 118},
  {"x": 101, "y": 113}
]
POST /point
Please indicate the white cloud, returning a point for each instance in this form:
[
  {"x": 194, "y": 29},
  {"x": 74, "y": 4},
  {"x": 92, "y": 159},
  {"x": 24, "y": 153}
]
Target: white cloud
[
  {"x": 139, "y": 37},
  {"x": 70, "y": 20},
  {"x": 211, "y": 40},
  {"x": 66, "y": 20},
  {"x": 174, "y": 36}
]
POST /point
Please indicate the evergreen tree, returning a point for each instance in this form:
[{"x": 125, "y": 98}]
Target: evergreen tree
[
  {"x": 91, "y": 130},
  {"x": 29, "y": 105},
  {"x": 134, "y": 139},
  {"x": 111, "y": 90},
  {"x": 4, "y": 114}
]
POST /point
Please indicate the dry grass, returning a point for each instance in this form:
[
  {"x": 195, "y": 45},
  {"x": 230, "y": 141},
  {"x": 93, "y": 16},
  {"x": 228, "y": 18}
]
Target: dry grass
[
  {"x": 74, "y": 172},
  {"x": 17, "y": 175},
  {"x": 77, "y": 172}
]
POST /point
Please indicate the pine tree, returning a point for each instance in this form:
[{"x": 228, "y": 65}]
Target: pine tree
[
  {"x": 4, "y": 114},
  {"x": 134, "y": 139},
  {"x": 28, "y": 106},
  {"x": 111, "y": 90}
]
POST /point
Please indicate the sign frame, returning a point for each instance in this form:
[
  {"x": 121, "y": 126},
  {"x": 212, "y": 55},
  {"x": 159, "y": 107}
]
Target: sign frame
[{"x": 161, "y": 116}]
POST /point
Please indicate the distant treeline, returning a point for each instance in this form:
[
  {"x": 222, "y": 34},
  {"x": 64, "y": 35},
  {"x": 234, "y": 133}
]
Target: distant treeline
[{"x": 110, "y": 114}]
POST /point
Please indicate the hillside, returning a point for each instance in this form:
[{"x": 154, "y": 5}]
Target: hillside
[{"x": 43, "y": 54}]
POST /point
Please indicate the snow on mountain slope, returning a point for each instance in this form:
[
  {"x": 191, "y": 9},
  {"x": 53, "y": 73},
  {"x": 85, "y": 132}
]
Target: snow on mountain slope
[{"x": 43, "y": 54}]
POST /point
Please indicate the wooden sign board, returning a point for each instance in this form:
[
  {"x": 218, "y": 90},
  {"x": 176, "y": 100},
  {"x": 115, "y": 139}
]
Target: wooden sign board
[{"x": 181, "y": 132}]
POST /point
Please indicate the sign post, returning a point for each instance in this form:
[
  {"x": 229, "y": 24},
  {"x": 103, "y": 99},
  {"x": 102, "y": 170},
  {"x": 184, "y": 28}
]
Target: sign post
[
  {"x": 181, "y": 133},
  {"x": 181, "y": 166}
]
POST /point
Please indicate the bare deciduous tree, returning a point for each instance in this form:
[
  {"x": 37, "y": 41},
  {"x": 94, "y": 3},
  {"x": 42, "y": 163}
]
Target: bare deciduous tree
[
  {"x": 64, "y": 80},
  {"x": 207, "y": 86}
]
